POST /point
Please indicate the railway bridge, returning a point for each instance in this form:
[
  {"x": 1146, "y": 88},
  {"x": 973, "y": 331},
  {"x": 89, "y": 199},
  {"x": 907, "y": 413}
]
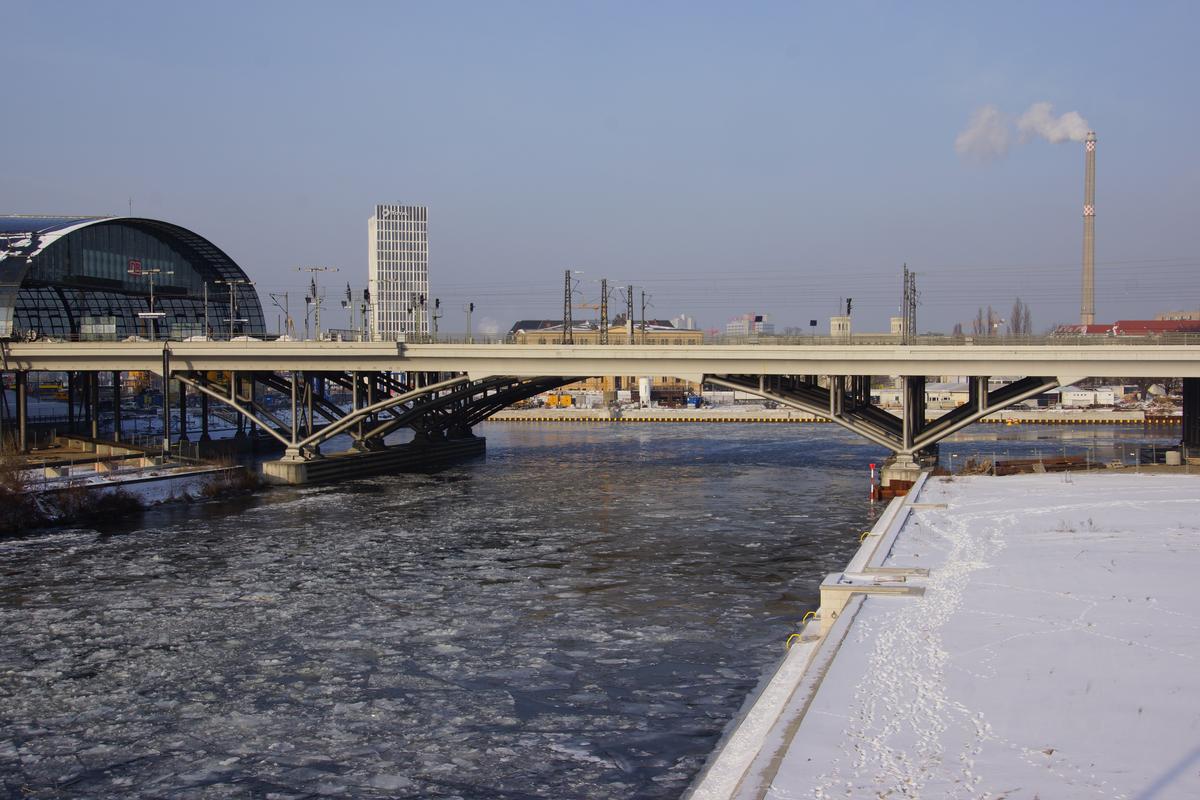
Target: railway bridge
[{"x": 441, "y": 391}]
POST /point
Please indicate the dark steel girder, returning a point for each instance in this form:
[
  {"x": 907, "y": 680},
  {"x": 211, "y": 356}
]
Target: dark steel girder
[
  {"x": 458, "y": 410},
  {"x": 853, "y": 411}
]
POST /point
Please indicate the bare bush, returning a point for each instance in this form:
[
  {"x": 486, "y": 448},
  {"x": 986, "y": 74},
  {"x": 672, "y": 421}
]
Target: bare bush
[
  {"x": 230, "y": 481},
  {"x": 80, "y": 503},
  {"x": 20, "y": 506}
]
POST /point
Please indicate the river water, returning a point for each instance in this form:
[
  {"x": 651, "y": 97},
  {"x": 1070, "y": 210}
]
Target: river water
[{"x": 577, "y": 616}]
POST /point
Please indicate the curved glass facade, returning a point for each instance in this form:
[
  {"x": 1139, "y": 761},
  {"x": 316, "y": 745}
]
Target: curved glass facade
[{"x": 91, "y": 278}]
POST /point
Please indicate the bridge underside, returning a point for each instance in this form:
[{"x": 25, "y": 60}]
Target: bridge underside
[
  {"x": 435, "y": 407},
  {"x": 304, "y": 410},
  {"x": 846, "y": 400}
]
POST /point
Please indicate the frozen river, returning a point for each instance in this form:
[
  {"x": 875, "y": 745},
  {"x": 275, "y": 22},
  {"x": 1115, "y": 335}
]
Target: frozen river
[{"x": 577, "y": 616}]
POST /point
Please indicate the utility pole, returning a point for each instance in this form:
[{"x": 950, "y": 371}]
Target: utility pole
[
  {"x": 207, "y": 327},
  {"x": 469, "y": 307},
  {"x": 436, "y": 315},
  {"x": 314, "y": 296},
  {"x": 913, "y": 301},
  {"x": 604, "y": 311},
  {"x": 135, "y": 269},
  {"x": 909, "y": 309},
  {"x": 568, "y": 323},
  {"x": 365, "y": 307},
  {"x": 233, "y": 283},
  {"x": 288, "y": 327},
  {"x": 628, "y": 315},
  {"x": 644, "y": 315},
  {"x": 348, "y": 304}
]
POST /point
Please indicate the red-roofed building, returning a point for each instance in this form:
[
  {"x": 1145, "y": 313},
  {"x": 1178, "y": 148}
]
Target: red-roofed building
[{"x": 1132, "y": 327}]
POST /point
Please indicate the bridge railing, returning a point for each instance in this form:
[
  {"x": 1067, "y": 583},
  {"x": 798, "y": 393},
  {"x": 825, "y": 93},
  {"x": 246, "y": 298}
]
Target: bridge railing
[
  {"x": 665, "y": 339},
  {"x": 869, "y": 340}
]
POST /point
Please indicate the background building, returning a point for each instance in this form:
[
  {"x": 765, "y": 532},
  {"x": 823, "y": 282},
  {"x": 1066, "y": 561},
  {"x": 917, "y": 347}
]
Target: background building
[
  {"x": 90, "y": 277},
  {"x": 750, "y": 325},
  {"x": 1132, "y": 327},
  {"x": 398, "y": 272},
  {"x": 684, "y": 321}
]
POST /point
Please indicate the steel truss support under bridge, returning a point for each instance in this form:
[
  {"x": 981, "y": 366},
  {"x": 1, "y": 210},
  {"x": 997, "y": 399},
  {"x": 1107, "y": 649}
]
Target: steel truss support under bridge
[
  {"x": 435, "y": 407},
  {"x": 846, "y": 400}
]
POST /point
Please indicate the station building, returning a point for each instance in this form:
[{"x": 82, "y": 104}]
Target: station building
[{"x": 91, "y": 278}]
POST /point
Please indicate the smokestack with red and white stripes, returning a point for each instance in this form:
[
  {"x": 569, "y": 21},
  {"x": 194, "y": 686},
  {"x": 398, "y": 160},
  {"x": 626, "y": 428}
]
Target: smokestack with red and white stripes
[{"x": 1087, "y": 314}]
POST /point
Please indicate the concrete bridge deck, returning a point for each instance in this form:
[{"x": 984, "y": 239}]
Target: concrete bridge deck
[{"x": 683, "y": 361}]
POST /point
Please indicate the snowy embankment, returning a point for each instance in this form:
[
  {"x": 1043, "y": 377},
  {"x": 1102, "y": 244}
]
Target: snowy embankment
[{"x": 1053, "y": 652}]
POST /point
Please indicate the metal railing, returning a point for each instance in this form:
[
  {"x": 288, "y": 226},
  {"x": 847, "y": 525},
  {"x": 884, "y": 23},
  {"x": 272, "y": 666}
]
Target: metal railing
[
  {"x": 657, "y": 340},
  {"x": 152, "y": 444}
]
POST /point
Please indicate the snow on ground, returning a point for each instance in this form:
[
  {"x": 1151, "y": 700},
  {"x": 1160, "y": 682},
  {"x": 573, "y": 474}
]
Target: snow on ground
[{"x": 1055, "y": 653}]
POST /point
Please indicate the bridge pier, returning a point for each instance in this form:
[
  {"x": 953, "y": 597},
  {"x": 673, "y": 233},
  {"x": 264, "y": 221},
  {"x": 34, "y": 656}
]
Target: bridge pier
[
  {"x": 293, "y": 469},
  {"x": 183, "y": 434},
  {"x": 22, "y": 413},
  {"x": 204, "y": 437},
  {"x": 116, "y": 400},
  {"x": 898, "y": 474},
  {"x": 94, "y": 403},
  {"x": 71, "y": 401}
]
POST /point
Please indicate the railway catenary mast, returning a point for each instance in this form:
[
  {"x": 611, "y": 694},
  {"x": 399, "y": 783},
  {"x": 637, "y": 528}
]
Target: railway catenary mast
[{"x": 1087, "y": 314}]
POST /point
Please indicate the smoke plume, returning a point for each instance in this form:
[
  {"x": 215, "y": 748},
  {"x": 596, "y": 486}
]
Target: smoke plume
[
  {"x": 986, "y": 136},
  {"x": 1039, "y": 120},
  {"x": 990, "y": 131}
]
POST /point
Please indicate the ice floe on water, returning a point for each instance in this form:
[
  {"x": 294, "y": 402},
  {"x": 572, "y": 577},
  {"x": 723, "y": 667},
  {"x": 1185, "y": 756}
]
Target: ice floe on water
[{"x": 512, "y": 628}]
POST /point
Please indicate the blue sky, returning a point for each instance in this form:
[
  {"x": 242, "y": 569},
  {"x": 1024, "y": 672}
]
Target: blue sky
[{"x": 768, "y": 157}]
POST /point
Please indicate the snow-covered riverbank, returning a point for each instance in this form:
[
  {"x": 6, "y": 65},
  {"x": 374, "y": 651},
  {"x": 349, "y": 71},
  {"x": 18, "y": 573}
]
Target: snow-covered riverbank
[{"x": 1050, "y": 652}]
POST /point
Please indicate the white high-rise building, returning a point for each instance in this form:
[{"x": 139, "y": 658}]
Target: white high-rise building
[{"x": 398, "y": 272}]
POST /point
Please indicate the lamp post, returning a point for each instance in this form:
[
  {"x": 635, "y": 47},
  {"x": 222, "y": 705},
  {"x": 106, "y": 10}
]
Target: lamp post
[
  {"x": 233, "y": 283},
  {"x": 135, "y": 269},
  {"x": 314, "y": 292}
]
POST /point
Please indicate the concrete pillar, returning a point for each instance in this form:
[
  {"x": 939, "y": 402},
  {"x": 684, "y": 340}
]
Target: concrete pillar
[
  {"x": 371, "y": 397},
  {"x": 94, "y": 403},
  {"x": 295, "y": 430},
  {"x": 356, "y": 403},
  {"x": 914, "y": 408},
  {"x": 166, "y": 402},
  {"x": 240, "y": 433},
  {"x": 204, "y": 437},
  {"x": 977, "y": 392},
  {"x": 116, "y": 400},
  {"x": 3, "y": 409},
  {"x": 1191, "y": 417},
  {"x": 183, "y": 437},
  {"x": 70, "y": 402},
  {"x": 22, "y": 413},
  {"x": 309, "y": 388}
]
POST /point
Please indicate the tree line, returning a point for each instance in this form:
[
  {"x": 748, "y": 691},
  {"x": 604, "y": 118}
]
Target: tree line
[{"x": 990, "y": 323}]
